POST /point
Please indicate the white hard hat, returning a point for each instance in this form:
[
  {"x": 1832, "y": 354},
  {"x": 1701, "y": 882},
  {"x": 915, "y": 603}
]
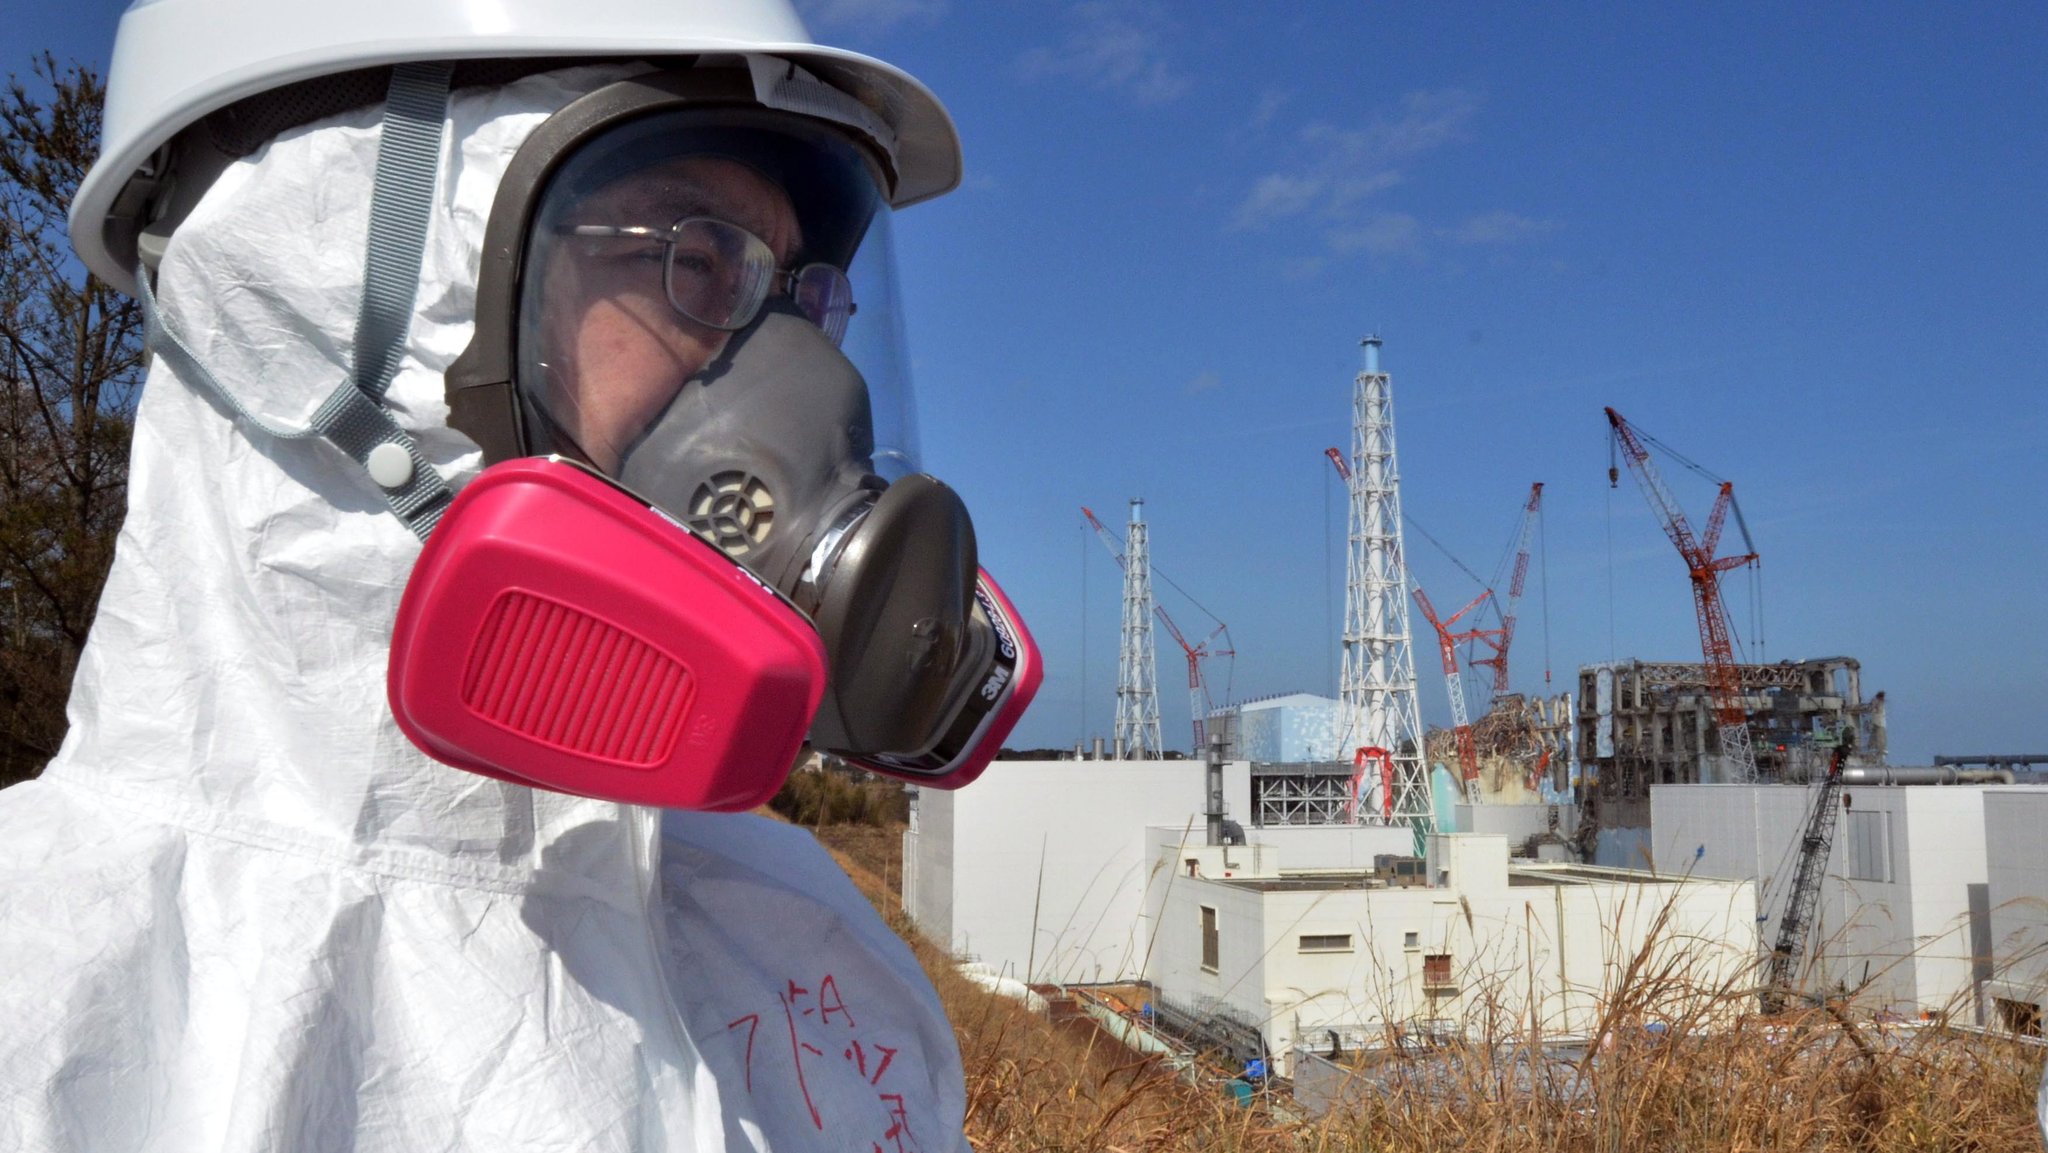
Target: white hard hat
[{"x": 176, "y": 61}]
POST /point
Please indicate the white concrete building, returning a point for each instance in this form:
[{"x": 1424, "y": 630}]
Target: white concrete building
[
  {"x": 1100, "y": 871},
  {"x": 1316, "y": 960},
  {"x": 2016, "y": 843},
  {"x": 1292, "y": 728},
  {"x": 1039, "y": 869},
  {"x": 1906, "y": 912}
]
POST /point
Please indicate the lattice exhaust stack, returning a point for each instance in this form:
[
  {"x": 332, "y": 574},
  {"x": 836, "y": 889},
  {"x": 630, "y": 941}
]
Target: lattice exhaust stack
[
  {"x": 1137, "y": 670},
  {"x": 1380, "y": 709}
]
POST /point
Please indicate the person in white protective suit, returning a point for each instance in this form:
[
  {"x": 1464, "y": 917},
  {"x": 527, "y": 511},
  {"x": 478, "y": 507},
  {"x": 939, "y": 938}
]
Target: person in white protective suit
[{"x": 242, "y": 909}]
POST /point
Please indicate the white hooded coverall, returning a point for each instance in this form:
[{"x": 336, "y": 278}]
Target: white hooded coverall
[{"x": 239, "y": 911}]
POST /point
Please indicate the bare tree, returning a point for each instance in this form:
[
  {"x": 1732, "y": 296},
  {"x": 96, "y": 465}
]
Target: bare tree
[{"x": 70, "y": 373}]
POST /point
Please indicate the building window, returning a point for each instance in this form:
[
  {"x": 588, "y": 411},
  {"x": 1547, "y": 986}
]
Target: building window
[
  {"x": 1209, "y": 950},
  {"x": 1411, "y": 940},
  {"x": 2019, "y": 1017},
  {"x": 1870, "y": 845},
  {"x": 1436, "y": 973},
  {"x": 1326, "y": 942}
]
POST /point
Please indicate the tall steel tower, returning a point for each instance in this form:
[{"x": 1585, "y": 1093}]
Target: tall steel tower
[
  {"x": 1137, "y": 671},
  {"x": 1379, "y": 702}
]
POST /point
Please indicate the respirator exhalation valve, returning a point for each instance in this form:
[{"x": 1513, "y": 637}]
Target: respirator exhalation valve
[{"x": 734, "y": 510}]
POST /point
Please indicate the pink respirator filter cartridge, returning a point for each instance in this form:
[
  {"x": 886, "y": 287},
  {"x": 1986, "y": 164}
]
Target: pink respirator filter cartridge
[{"x": 560, "y": 633}]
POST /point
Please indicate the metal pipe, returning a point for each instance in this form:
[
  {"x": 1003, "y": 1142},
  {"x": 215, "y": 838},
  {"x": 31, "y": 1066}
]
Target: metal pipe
[
  {"x": 1132, "y": 1034},
  {"x": 1371, "y": 344},
  {"x": 1215, "y": 774},
  {"x": 1940, "y": 775}
]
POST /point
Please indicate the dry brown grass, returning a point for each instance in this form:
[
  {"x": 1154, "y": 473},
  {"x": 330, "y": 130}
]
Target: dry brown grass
[
  {"x": 1718, "y": 1078},
  {"x": 1033, "y": 1084},
  {"x": 1804, "y": 1082}
]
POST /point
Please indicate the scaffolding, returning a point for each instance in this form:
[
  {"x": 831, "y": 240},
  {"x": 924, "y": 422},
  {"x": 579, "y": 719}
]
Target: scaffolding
[{"x": 1311, "y": 793}]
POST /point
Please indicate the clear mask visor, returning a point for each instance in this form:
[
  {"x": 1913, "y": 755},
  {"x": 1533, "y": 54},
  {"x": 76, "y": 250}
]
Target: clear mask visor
[{"x": 711, "y": 293}]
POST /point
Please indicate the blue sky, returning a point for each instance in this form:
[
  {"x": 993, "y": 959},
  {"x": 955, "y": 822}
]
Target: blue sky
[{"x": 1805, "y": 248}]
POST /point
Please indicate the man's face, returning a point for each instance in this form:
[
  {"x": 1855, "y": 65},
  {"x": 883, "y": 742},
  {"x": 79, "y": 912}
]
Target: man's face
[{"x": 621, "y": 350}]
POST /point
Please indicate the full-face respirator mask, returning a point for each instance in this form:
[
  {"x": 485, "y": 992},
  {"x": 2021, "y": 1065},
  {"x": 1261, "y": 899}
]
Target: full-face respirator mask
[{"x": 700, "y": 539}]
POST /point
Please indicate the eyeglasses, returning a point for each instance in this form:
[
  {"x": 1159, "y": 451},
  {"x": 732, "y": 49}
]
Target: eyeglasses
[{"x": 718, "y": 274}]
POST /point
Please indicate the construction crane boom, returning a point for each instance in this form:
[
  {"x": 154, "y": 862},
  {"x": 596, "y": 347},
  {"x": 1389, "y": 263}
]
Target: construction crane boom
[
  {"x": 1505, "y": 636},
  {"x": 1806, "y": 876},
  {"x": 1731, "y": 718},
  {"x": 1447, "y": 644},
  {"x": 1199, "y": 702},
  {"x": 1108, "y": 538}
]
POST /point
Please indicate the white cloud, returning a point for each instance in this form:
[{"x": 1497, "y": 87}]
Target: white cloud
[
  {"x": 1499, "y": 227},
  {"x": 1268, "y": 107},
  {"x": 1343, "y": 169},
  {"x": 1114, "y": 46},
  {"x": 1307, "y": 268},
  {"x": 1347, "y": 165},
  {"x": 865, "y": 16},
  {"x": 1427, "y": 120},
  {"x": 1384, "y": 234},
  {"x": 1278, "y": 195},
  {"x": 1347, "y": 192}
]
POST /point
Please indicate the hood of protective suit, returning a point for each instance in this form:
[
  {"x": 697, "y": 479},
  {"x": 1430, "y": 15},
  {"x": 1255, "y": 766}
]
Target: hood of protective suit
[{"x": 241, "y": 911}]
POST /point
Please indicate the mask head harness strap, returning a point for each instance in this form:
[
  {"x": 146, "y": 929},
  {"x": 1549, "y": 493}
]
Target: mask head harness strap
[{"x": 353, "y": 418}]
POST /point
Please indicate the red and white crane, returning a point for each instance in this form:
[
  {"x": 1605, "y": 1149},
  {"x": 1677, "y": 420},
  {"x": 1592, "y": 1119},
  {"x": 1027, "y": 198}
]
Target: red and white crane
[
  {"x": 1724, "y": 679},
  {"x": 1500, "y": 639},
  {"x": 1199, "y": 702},
  {"x": 1336, "y": 456},
  {"x": 1447, "y": 643}
]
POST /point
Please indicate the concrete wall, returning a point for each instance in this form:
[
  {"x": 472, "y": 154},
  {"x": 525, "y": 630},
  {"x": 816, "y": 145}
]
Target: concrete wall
[
  {"x": 1515, "y": 822},
  {"x": 928, "y": 862},
  {"x": 1733, "y": 832},
  {"x": 1304, "y": 847},
  {"x": 1038, "y": 869},
  {"x": 1237, "y": 983},
  {"x": 2017, "y": 895},
  {"x": 1907, "y": 941},
  {"x": 1894, "y": 919}
]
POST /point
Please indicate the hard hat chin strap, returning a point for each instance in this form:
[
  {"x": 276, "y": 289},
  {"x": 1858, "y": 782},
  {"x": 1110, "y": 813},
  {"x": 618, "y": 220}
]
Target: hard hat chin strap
[{"x": 353, "y": 418}]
